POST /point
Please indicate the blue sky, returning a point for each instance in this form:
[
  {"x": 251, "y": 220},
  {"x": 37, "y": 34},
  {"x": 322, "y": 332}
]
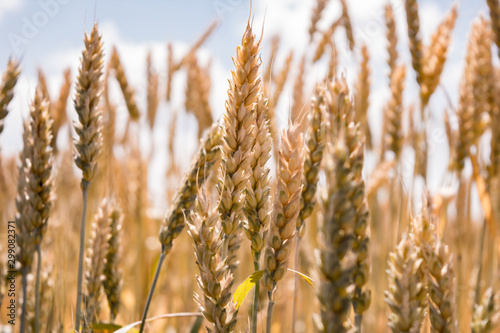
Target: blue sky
[{"x": 138, "y": 26}]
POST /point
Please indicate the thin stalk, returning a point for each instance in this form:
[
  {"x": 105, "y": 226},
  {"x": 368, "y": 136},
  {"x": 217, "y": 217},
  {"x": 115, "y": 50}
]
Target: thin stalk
[
  {"x": 152, "y": 290},
  {"x": 358, "y": 319},
  {"x": 295, "y": 281},
  {"x": 24, "y": 282},
  {"x": 37, "y": 288},
  {"x": 480, "y": 270},
  {"x": 255, "y": 310},
  {"x": 85, "y": 195},
  {"x": 270, "y": 306}
]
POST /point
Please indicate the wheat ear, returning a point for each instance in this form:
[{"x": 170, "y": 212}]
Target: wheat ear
[
  {"x": 326, "y": 39},
  {"x": 34, "y": 191},
  {"x": 238, "y": 140},
  {"x": 416, "y": 47},
  {"x": 392, "y": 39},
  {"x": 407, "y": 292},
  {"x": 183, "y": 201},
  {"x": 9, "y": 80},
  {"x": 279, "y": 84},
  {"x": 112, "y": 282},
  {"x": 316, "y": 16},
  {"x": 346, "y": 22},
  {"x": 170, "y": 69},
  {"x": 96, "y": 260},
  {"x": 286, "y": 209},
  {"x": 298, "y": 90},
  {"x": 476, "y": 89},
  {"x": 393, "y": 133},
  {"x": 487, "y": 314},
  {"x": 127, "y": 91},
  {"x": 362, "y": 96},
  {"x": 58, "y": 109},
  {"x": 198, "y": 94},
  {"x": 257, "y": 195},
  {"x": 435, "y": 55},
  {"x": 215, "y": 279},
  {"x": 494, "y": 7},
  {"x": 88, "y": 128},
  {"x": 152, "y": 91}
]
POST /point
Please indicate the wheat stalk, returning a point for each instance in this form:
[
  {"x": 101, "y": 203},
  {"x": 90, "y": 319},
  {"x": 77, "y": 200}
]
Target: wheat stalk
[{"x": 88, "y": 128}]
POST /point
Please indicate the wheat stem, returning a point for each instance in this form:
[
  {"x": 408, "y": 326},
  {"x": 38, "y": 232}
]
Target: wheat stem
[
  {"x": 85, "y": 195},
  {"x": 37, "y": 288},
  {"x": 152, "y": 289},
  {"x": 255, "y": 309},
  {"x": 24, "y": 283},
  {"x": 270, "y": 307}
]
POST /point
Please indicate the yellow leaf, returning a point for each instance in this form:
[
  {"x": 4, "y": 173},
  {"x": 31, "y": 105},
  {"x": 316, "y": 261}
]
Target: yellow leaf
[
  {"x": 305, "y": 277},
  {"x": 244, "y": 288}
]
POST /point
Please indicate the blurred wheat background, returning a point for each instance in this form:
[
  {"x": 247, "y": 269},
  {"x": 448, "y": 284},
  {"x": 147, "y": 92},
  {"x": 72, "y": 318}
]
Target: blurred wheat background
[{"x": 343, "y": 154}]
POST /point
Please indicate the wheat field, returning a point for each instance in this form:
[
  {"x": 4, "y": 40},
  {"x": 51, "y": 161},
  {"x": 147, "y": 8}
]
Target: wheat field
[{"x": 327, "y": 223}]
